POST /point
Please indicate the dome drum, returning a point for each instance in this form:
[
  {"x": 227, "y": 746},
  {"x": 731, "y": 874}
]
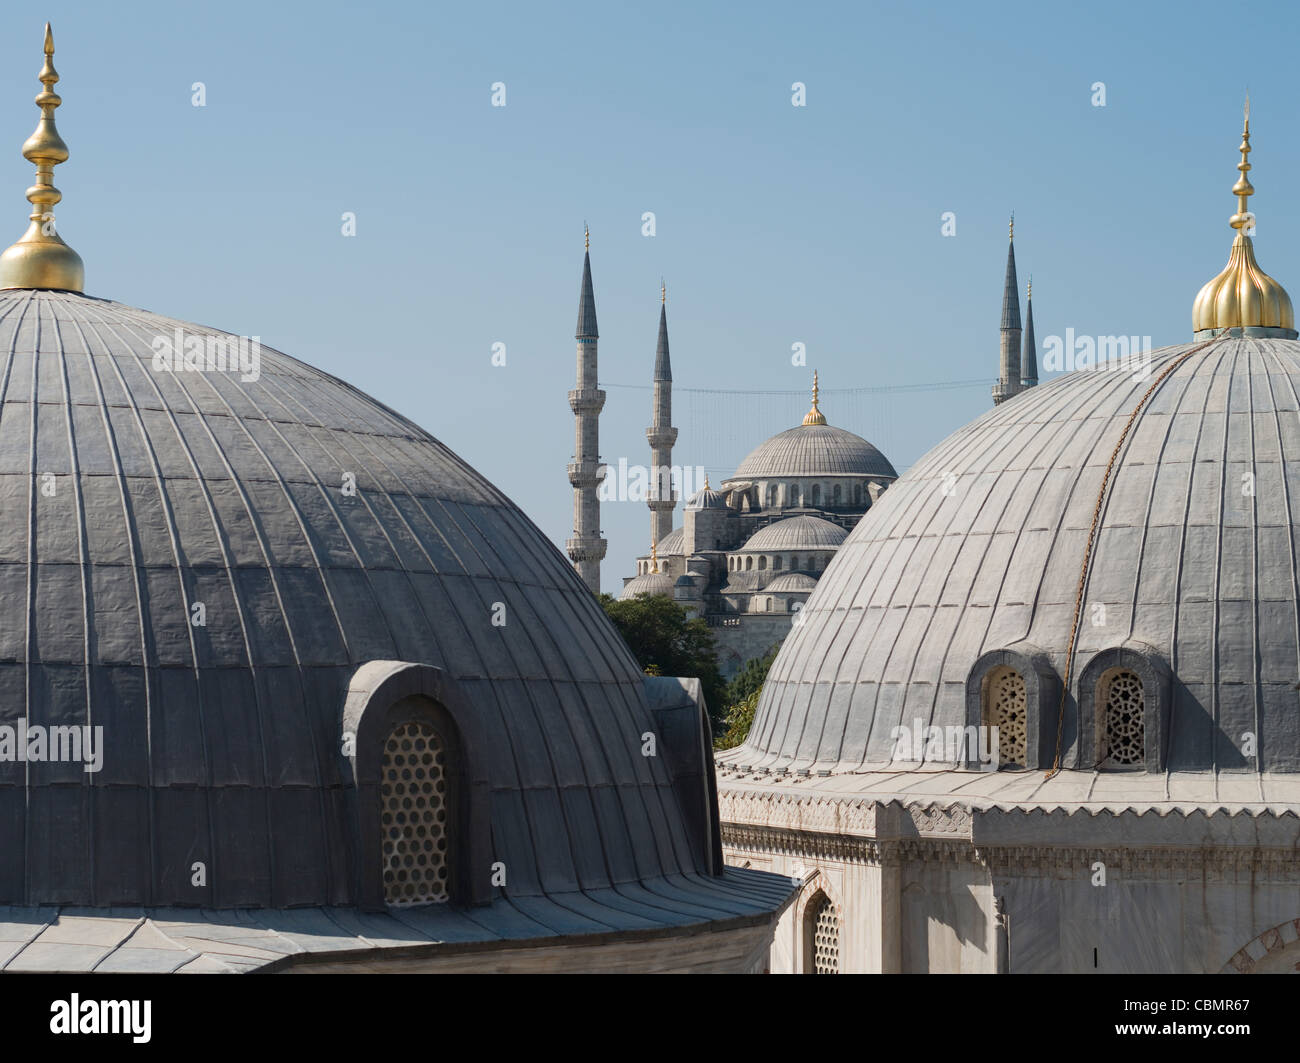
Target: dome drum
[{"x": 1042, "y": 700}]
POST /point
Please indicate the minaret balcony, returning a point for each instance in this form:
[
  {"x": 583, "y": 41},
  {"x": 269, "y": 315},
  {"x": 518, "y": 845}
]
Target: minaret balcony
[
  {"x": 661, "y": 437},
  {"x": 658, "y": 504},
  {"x": 585, "y": 549},
  {"x": 586, "y": 400},
  {"x": 586, "y": 473}
]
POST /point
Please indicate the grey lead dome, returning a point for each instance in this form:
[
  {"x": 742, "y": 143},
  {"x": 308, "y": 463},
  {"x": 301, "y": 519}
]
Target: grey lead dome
[
  {"x": 130, "y": 496},
  {"x": 814, "y": 450},
  {"x": 978, "y": 549}
]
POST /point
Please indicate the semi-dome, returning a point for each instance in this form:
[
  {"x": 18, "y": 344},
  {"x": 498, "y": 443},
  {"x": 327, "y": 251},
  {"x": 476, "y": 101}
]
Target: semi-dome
[
  {"x": 791, "y": 583},
  {"x": 796, "y": 533},
  {"x": 975, "y": 555},
  {"x": 648, "y": 583},
  {"x": 673, "y": 544}
]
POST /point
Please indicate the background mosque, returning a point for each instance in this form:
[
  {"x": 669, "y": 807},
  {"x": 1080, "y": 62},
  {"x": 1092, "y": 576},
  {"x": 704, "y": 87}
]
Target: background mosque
[
  {"x": 747, "y": 555},
  {"x": 357, "y": 713},
  {"x": 1104, "y": 569}
]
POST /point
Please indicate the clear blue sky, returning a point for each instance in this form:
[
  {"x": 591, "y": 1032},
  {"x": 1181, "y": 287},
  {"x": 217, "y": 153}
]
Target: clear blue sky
[{"x": 775, "y": 224}]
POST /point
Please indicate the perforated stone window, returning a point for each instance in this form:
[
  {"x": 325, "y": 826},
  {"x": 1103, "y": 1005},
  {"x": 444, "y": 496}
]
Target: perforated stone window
[
  {"x": 824, "y": 923},
  {"x": 413, "y": 803},
  {"x": 1006, "y": 710},
  {"x": 1123, "y": 738}
]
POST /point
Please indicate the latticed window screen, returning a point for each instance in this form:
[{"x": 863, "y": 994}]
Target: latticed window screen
[
  {"x": 825, "y": 926},
  {"x": 1124, "y": 736},
  {"x": 1006, "y": 710},
  {"x": 414, "y": 816}
]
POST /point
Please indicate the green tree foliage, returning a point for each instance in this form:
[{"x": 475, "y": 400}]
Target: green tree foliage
[
  {"x": 750, "y": 677},
  {"x": 739, "y": 719},
  {"x": 667, "y": 642}
]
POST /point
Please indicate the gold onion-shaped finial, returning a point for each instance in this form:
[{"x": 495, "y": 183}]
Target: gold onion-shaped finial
[
  {"x": 1243, "y": 295},
  {"x": 815, "y": 415},
  {"x": 40, "y": 259},
  {"x": 654, "y": 556}
]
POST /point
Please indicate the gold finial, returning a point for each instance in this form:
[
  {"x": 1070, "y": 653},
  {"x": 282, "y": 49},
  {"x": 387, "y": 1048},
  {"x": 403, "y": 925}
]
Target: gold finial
[
  {"x": 1011, "y": 227},
  {"x": 663, "y": 291},
  {"x": 1243, "y": 295},
  {"x": 706, "y": 482},
  {"x": 586, "y": 236},
  {"x": 654, "y": 556},
  {"x": 815, "y": 415},
  {"x": 1029, "y": 292},
  {"x": 40, "y": 259}
]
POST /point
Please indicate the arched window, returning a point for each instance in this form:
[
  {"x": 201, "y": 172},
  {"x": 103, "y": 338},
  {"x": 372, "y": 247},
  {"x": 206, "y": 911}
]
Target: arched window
[
  {"x": 749, "y": 563},
  {"x": 809, "y": 563},
  {"x": 771, "y": 496},
  {"x": 839, "y": 494},
  {"x": 1121, "y": 739},
  {"x": 1006, "y": 708},
  {"x": 762, "y": 561},
  {"x": 793, "y": 498},
  {"x": 413, "y": 816},
  {"x": 817, "y": 495},
  {"x": 776, "y": 563},
  {"x": 857, "y": 494},
  {"x": 822, "y": 934}
]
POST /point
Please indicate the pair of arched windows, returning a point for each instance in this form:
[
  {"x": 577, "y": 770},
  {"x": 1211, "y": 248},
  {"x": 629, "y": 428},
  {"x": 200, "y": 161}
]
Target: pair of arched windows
[{"x": 1118, "y": 728}]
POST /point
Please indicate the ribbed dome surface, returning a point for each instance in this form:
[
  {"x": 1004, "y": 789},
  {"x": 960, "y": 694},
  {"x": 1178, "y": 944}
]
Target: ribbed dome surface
[
  {"x": 814, "y": 450},
  {"x": 707, "y": 498},
  {"x": 791, "y": 583},
  {"x": 796, "y": 533},
  {"x": 649, "y": 583},
  {"x": 673, "y": 543},
  {"x": 980, "y": 547},
  {"x": 131, "y": 495}
]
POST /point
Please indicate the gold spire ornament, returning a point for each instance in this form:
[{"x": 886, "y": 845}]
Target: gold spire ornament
[
  {"x": 654, "y": 556},
  {"x": 815, "y": 415},
  {"x": 586, "y": 236},
  {"x": 40, "y": 259},
  {"x": 1243, "y": 295}
]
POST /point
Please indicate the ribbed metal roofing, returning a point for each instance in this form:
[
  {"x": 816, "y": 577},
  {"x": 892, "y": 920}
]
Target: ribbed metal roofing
[
  {"x": 663, "y": 363},
  {"x": 673, "y": 543},
  {"x": 791, "y": 582},
  {"x": 586, "y": 304},
  {"x": 796, "y": 533},
  {"x": 130, "y": 495},
  {"x": 980, "y": 547},
  {"x": 814, "y": 450},
  {"x": 648, "y": 583},
  {"x": 707, "y": 498}
]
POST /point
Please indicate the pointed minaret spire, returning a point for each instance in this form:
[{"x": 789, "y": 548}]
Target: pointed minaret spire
[
  {"x": 586, "y": 548},
  {"x": 1009, "y": 360},
  {"x": 40, "y": 259},
  {"x": 1029, "y": 357},
  {"x": 661, "y": 434}
]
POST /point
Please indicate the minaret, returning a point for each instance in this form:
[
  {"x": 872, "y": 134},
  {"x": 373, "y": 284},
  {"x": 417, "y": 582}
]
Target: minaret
[
  {"x": 661, "y": 434},
  {"x": 1029, "y": 359},
  {"x": 586, "y": 548},
  {"x": 1009, "y": 365}
]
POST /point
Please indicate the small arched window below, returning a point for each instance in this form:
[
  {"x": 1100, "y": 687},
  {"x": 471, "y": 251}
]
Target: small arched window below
[
  {"x": 792, "y": 498},
  {"x": 1122, "y": 734},
  {"x": 822, "y": 932},
  {"x": 1005, "y": 707},
  {"x": 857, "y": 494},
  {"x": 413, "y": 816},
  {"x": 776, "y": 563},
  {"x": 817, "y": 494},
  {"x": 838, "y": 494},
  {"x": 762, "y": 561},
  {"x": 771, "y": 496},
  {"x": 749, "y": 563}
]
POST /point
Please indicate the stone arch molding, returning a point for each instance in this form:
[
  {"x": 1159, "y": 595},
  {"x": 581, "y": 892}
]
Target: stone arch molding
[
  {"x": 1276, "y": 951},
  {"x": 1154, "y": 672},
  {"x": 382, "y": 695},
  {"x": 1042, "y": 697}
]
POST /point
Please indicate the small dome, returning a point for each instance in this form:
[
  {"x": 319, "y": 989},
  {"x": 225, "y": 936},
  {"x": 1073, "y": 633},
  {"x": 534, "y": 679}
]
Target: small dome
[
  {"x": 796, "y": 533},
  {"x": 815, "y": 450},
  {"x": 649, "y": 583},
  {"x": 791, "y": 583},
  {"x": 707, "y": 498}
]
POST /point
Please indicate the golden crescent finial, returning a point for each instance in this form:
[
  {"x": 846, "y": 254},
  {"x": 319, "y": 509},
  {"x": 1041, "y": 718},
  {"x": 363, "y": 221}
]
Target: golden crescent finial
[
  {"x": 586, "y": 237},
  {"x": 654, "y": 556},
  {"x": 1029, "y": 291},
  {"x": 1011, "y": 227},
  {"x": 40, "y": 258},
  {"x": 663, "y": 291}
]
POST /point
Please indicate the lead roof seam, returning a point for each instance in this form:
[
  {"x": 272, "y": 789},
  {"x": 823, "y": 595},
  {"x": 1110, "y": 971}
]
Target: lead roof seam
[
  {"x": 137, "y": 577},
  {"x": 1269, "y": 353},
  {"x": 30, "y": 597}
]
